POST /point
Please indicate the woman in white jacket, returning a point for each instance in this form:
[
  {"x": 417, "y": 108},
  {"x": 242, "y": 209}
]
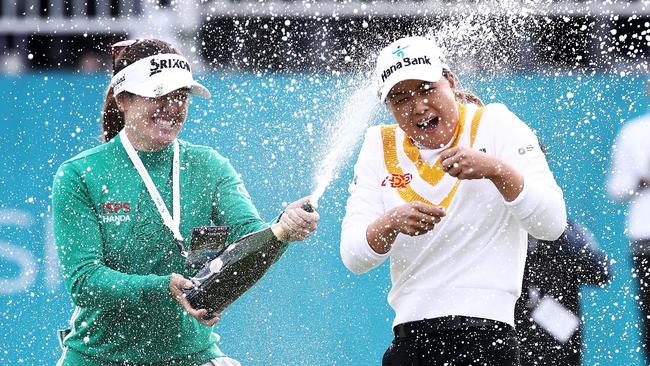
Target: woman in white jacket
[{"x": 450, "y": 194}]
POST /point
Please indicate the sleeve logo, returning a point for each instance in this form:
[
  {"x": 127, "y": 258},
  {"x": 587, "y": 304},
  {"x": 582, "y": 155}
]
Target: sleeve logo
[{"x": 523, "y": 150}]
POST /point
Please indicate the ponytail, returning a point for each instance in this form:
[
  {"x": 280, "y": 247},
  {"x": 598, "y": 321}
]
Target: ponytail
[
  {"x": 112, "y": 117},
  {"x": 467, "y": 97},
  {"x": 462, "y": 96}
]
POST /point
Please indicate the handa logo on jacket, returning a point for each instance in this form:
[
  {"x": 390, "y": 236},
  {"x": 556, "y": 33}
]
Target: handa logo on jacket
[
  {"x": 115, "y": 212},
  {"x": 158, "y": 65},
  {"x": 407, "y": 61}
]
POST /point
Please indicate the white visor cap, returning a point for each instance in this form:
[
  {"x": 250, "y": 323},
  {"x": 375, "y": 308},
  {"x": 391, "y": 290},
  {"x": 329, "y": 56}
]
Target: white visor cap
[
  {"x": 409, "y": 58},
  {"x": 156, "y": 76}
]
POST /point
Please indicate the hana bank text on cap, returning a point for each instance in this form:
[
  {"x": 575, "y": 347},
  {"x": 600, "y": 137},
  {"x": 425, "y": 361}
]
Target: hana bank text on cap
[
  {"x": 156, "y": 76},
  {"x": 410, "y": 58}
]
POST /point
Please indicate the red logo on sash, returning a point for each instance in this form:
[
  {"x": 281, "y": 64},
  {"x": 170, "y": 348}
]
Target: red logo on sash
[{"x": 398, "y": 180}]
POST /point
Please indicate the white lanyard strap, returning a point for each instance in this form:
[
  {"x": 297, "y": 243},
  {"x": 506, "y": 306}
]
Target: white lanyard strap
[{"x": 173, "y": 223}]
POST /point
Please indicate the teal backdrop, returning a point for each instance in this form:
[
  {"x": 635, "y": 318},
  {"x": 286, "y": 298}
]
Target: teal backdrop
[{"x": 308, "y": 310}]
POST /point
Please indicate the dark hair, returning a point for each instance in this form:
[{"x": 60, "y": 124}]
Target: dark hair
[
  {"x": 112, "y": 117},
  {"x": 461, "y": 95}
]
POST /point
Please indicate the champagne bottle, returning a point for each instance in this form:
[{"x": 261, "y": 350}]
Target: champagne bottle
[{"x": 224, "y": 279}]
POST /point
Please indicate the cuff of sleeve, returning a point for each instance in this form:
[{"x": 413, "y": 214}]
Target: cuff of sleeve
[
  {"x": 356, "y": 252},
  {"x": 526, "y": 203},
  {"x": 367, "y": 250},
  {"x": 156, "y": 288}
]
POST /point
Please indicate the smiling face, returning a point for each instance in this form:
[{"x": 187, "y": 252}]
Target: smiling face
[
  {"x": 425, "y": 111},
  {"x": 153, "y": 123}
]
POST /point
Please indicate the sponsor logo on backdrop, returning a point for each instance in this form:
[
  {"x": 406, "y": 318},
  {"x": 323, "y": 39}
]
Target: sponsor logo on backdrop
[{"x": 28, "y": 266}]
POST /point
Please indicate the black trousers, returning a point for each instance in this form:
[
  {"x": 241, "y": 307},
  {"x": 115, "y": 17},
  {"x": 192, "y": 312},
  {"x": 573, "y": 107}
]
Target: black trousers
[
  {"x": 427, "y": 343},
  {"x": 642, "y": 271}
]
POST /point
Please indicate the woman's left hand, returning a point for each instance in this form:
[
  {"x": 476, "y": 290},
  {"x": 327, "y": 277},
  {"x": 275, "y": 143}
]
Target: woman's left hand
[
  {"x": 296, "y": 224},
  {"x": 177, "y": 284},
  {"x": 466, "y": 163}
]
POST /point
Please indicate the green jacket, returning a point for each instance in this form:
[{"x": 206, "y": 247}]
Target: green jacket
[{"x": 117, "y": 255}]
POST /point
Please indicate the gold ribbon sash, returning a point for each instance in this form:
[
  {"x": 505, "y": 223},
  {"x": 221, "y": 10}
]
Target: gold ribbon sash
[{"x": 432, "y": 174}]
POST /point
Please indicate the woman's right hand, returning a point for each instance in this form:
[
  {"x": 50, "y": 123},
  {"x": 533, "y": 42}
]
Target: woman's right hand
[
  {"x": 295, "y": 223},
  {"x": 177, "y": 284},
  {"x": 413, "y": 218}
]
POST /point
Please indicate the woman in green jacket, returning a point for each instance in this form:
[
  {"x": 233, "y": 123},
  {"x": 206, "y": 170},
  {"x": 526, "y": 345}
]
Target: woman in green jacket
[{"x": 121, "y": 248}]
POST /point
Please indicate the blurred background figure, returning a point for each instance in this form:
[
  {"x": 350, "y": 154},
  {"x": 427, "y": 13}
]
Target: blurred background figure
[
  {"x": 547, "y": 315},
  {"x": 91, "y": 62},
  {"x": 11, "y": 64},
  {"x": 12, "y": 60},
  {"x": 629, "y": 182}
]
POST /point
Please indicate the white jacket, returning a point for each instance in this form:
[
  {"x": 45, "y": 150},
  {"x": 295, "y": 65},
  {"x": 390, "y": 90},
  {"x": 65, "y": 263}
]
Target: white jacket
[{"x": 472, "y": 262}]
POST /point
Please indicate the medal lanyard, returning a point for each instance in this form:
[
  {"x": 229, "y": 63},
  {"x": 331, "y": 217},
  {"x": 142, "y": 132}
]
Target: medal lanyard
[{"x": 173, "y": 223}]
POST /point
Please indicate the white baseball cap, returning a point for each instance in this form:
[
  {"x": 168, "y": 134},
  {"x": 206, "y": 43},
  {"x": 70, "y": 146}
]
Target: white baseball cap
[
  {"x": 409, "y": 58},
  {"x": 156, "y": 76}
]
